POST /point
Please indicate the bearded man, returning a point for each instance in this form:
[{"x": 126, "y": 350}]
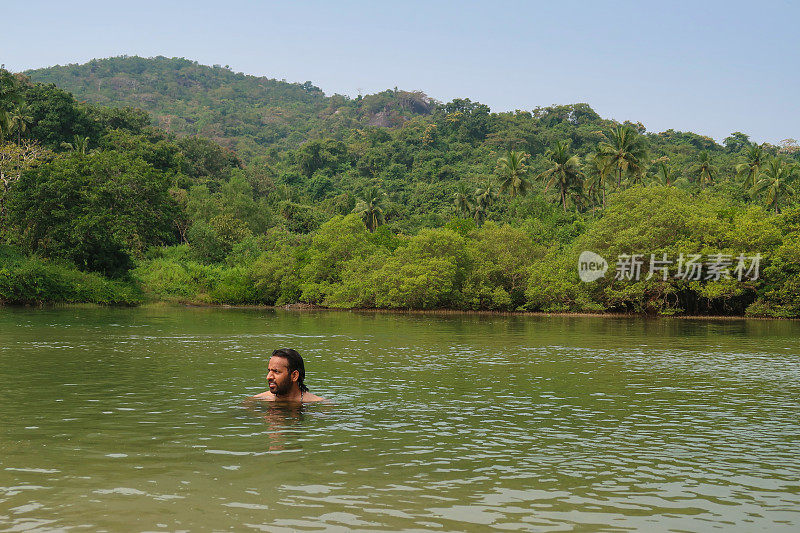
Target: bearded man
[{"x": 285, "y": 374}]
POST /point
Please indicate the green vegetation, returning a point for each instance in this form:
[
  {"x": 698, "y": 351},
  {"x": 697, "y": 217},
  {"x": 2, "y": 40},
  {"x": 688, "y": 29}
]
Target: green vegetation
[
  {"x": 34, "y": 280},
  {"x": 250, "y": 114},
  {"x": 390, "y": 200}
]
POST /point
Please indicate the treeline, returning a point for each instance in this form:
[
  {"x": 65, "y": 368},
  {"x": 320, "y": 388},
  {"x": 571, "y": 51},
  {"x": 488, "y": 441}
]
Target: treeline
[
  {"x": 502, "y": 267},
  {"x": 440, "y": 205}
]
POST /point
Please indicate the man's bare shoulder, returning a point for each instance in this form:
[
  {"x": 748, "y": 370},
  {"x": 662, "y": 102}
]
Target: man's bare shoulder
[
  {"x": 267, "y": 396},
  {"x": 308, "y": 397}
]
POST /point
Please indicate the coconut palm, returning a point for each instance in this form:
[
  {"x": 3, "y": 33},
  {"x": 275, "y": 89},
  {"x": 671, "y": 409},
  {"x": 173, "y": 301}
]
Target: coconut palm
[
  {"x": 624, "y": 152},
  {"x": 486, "y": 193},
  {"x": 79, "y": 144},
  {"x": 19, "y": 120},
  {"x": 750, "y": 167},
  {"x": 596, "y": 169},
  {"x": 9, "y": 97},
  {"x": 462, "y": 199},
  {"x": 512, "y": 170},
  {"x": 564, "y": 173},
  {"x": 479, "y": 214},
  {"x": 5, "y": 123},
  {"x": 776, "y": 183},
  {"x": 370, "y": 208},
  {"x": 703, "y": 169},
  {"x": 665, "y": 174},
  {"x": 593, "y": 191}
]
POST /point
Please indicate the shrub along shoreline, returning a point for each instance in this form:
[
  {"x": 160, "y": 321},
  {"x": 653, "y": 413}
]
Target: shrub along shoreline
[
  {"x": 499, "y": 267},
  {"x": 303, "y": 308},
  {"x": 461, "y": 267},
  {"x": 34, "y": 280},
  {"x": 458, "y": 267}
]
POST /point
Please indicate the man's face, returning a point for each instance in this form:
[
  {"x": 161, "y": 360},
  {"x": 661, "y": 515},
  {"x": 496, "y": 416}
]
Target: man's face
[{"x": 279, "y": 378}]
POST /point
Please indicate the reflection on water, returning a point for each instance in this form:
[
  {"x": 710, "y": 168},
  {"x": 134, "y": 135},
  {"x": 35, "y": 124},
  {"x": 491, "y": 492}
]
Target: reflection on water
[
  {"x": 279, "y": 417},
  {"x": 137, "y": 420}
]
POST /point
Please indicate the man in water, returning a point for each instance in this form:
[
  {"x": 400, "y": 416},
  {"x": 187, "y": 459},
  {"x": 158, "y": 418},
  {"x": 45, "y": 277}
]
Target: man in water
[{"x": 285, "y": 375}]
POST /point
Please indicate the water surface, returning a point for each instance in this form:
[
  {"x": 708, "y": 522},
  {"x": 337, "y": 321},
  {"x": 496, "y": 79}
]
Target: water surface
[{"x": 131, "y": 419}]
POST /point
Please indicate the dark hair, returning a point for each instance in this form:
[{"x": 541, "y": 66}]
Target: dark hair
[{"x": 294, "y": 362}]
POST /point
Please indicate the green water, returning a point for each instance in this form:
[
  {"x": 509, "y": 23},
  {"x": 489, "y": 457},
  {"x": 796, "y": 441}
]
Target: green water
[{"x": 130, "y": 420}]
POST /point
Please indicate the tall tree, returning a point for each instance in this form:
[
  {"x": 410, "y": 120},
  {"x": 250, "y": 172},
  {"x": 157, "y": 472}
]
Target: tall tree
[
  {"x": 736, "y": 142},
  {"x": 703, "y": 170},
  {"x": 592, "y": 191},
  {"x": 479, "y": 214},
  {"x": 370, "y": 207},
  {"x": 625, "y": 152},
  {"x": 19, "y": 120},
  {"x": 5, "y": 124},
  {"x": 776, "y": 182},
  {"x": 14, "y": 160},
  {"x": 753, "y": 159},
  {"x": 513, "y": 173},
  {"x": 97, "y": 211},
  {"x": 461, "y": 198},
  {"x": 485, "y": 196},
  {"x": 78, "y": 145},
  {"x": 9, "y": 98},
  {"x": 564, "y": 173},
  {"x": 57, "y": 116},
  {"x": 597, "y": 170},
  {"x": 665, "y": 174},
  {"x": 486, "y": 193}
]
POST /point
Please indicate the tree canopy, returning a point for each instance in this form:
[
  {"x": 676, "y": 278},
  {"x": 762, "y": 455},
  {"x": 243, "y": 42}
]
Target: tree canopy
[{"x": 202, "y": 184}]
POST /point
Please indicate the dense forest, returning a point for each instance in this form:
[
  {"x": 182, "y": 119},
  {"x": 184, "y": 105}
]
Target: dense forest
[{"x": 129, "y": 180}]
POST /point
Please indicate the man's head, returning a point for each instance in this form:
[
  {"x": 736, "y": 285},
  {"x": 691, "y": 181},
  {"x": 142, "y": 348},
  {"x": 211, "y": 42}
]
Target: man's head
[{"x": 285, "y": 369}]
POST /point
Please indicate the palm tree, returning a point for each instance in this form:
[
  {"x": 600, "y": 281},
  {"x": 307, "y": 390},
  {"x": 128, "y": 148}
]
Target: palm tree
[
  {"x": 462, "y": 199},
  {"x": 775, "y": 182},
  {"x": 479, "y": 214},
  {"x": 79, "y": 144},
  {"x": 665, "y": 174},
  {"x": 754, "y": 158},
  {"x": 565, "y": 172},
  {"x": 597, "y": 170},
  {"x": 703, "y": 169},
  {"x": 486, "y": 193},
  {"x": 370, "y": 208},
  {"x": 9, "y": 96},
  {"x": 624, "y": 152},
  {"x": 19, "y": 120},
  {"x": 512, "y": 170},
  {"x": 5, "y": 123},
  {"x": 593, "y": 191}
]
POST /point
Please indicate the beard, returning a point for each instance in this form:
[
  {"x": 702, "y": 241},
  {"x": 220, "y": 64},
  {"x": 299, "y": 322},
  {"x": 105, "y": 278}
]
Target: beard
[{"x": 280, "y": 389}]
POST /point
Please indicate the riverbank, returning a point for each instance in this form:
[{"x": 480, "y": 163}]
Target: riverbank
[{"x": 301, "y": 308}]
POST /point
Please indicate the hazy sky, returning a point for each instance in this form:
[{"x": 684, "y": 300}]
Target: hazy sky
[{"x": 707, "y": 67}]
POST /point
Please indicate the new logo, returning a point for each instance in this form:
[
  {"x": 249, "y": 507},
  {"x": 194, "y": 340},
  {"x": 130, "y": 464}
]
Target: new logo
[{"x": 591, "y": 266}]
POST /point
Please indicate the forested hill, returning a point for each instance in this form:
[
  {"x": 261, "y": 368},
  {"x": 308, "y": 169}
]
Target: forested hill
[
  {"x": 390, "y": 200},
  {"x": 246, "y": 113}
]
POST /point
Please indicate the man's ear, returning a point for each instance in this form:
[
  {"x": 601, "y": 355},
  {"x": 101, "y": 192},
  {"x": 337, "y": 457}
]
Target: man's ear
[{"x": 295, "y": 375}]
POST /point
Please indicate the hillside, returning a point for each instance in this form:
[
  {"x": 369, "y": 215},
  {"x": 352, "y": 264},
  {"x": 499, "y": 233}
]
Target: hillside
[
  {"x": 243, "y": 112},
  {"x": 357, "y": 144},
  {"x": 389, "y": 201}
]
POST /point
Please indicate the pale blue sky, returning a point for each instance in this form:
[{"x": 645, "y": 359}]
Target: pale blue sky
[{"x": 708, "y": 67}]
